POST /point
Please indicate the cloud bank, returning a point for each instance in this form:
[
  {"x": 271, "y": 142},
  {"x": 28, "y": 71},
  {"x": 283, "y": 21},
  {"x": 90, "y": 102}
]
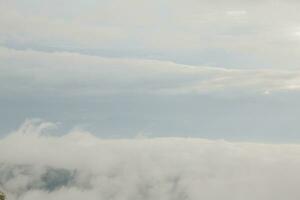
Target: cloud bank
[{"x": 37, "y": 165}]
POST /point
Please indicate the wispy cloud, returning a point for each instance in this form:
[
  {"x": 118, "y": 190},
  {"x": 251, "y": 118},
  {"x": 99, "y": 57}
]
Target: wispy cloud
[{"x": 27, "y": 71}]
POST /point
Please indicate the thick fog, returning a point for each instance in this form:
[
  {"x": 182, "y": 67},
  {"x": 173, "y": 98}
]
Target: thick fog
[{"x": 36, "y": 164}]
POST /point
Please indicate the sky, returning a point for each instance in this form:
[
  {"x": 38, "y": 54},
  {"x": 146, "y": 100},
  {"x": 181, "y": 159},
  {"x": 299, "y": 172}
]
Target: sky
[
  {"x": 150, "y": 100},
  {"x": 120, "y": 69}
]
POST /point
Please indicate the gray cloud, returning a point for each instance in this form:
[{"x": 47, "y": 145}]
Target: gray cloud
[{"x": 36, "y": 165}]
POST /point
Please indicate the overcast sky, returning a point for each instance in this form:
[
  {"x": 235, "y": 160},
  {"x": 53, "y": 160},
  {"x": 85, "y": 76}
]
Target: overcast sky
[{"x": 196, "y": 68}]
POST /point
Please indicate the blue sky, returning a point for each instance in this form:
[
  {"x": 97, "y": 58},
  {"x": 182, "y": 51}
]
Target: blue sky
[{"x": 210, "y": 69}]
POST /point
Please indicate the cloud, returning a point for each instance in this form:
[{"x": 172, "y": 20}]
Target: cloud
[
  {"x": 236, "y": 13},
  {"x": 177, "y": 30},
  {"x": 32, "y": 72},
  {"x": 35, "y": 165}
]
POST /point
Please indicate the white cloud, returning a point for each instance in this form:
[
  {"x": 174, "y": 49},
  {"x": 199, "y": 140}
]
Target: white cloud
[
  {"x": 236, "y": 12},
  {"x": 79, "y": 165},
  {"x": 32, "y": 72},
  {"x": 253, "y": 29}
]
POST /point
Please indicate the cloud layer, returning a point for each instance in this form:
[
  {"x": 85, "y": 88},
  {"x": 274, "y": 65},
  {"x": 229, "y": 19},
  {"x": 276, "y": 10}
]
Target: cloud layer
[
  {"x": 70, "y": 73},
  {"x": 232, "y": 33},
  {"x": 36, "y": 165}
]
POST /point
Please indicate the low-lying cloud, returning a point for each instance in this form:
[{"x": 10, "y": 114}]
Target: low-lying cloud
[{"x": 38, "y": 165}]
